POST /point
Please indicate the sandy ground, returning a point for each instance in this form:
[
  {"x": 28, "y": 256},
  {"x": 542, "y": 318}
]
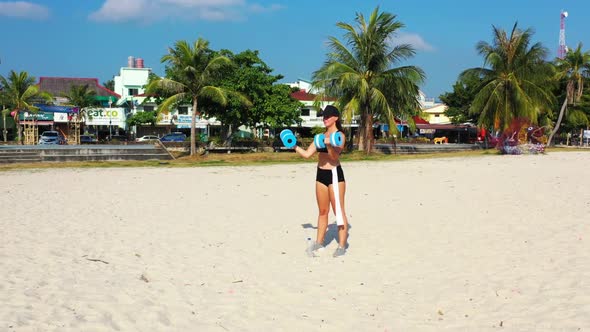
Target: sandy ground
[{"x": 461, "y": 244}]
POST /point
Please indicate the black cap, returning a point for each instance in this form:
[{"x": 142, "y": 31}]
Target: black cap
[{"x": 330, "y": 111}]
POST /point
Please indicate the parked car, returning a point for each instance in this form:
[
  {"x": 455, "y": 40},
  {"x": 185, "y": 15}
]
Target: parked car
[
  {"x": 147, "y": 138},
  {"x": 173, "y": 137},
  {"x": 51, "y": 137},
  {"x": 87, "y": 139},
  {"x": 118, "y": 138}
]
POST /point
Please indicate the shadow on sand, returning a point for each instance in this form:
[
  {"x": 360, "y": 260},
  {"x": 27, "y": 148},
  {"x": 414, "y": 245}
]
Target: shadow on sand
[{"x": 331, "y": 233}]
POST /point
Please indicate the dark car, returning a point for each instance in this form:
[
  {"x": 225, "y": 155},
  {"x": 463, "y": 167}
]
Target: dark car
[
  {"x": 87, "y": 139},
  {"x": 173, "y": 137},
  {"x": 51, "y": 137}
]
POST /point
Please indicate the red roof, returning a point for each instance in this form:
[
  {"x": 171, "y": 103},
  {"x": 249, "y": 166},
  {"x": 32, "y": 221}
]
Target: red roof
[
  {"x": 62, "y": 85},
  {"x": 303, "y": 95},
  {"x": 419, "y": 120}
]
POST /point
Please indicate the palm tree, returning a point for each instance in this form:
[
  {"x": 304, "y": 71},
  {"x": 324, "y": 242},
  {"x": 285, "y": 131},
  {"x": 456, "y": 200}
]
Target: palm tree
[
  {"x": 360, "y": 73},
  {"x": 190, "y": 71},
  {"x": 4, "y": 112},
  {"x": 19, "y": 92},
  {"x": 515, "y": 84},
  {"x": 82, "y": 97},
  {"x": 573, "y": 69}
]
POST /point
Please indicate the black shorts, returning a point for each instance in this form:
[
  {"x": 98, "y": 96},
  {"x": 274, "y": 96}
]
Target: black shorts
[{"x": 324, "y": 176}]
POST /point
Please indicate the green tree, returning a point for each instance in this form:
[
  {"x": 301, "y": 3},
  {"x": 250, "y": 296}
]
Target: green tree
[
  {"x": 141, "y": 118},
  {"x": 460, "y": 99},
  {"x": 578, "y": 116},
  {"x": 272, "y": 104},
  {"x": 19, "y": 92},
  {"x": 573, "y": 69},
  {"x": 360, "y": 73},
  {"x": 279, "y": 108},
  {"x": 516, "y": 83},
  {"x": 191, "y": 69},
  {"x": 110, "y": 84}
]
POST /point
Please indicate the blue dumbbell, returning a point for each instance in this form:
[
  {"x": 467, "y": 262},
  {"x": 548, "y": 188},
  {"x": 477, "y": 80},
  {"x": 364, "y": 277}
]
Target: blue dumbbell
[
  {"x": 318, "y": 141},
  {"x": 288, "y": 138},
  {"x": 335, "y": 140}
]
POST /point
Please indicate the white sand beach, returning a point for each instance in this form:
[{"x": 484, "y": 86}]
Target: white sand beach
[{"x": 449, "y": 244}]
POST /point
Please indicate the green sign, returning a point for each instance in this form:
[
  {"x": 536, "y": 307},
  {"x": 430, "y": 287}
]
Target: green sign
[{"x": 39, "y": 116}]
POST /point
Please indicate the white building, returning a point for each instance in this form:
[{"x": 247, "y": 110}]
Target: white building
[
  {"x": 310, "y": 114},
  {"x": 131, "y": 80},
  {"x": 424, "y": 101},
  {"x": 131, "y": 84},
  {"x": 303, "y": 85}
]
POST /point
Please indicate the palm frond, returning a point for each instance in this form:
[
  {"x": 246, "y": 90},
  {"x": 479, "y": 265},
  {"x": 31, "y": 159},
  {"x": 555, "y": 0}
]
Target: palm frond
[
  {"x": 215, "y": 94},
  {"x": 166, "y": 106}
]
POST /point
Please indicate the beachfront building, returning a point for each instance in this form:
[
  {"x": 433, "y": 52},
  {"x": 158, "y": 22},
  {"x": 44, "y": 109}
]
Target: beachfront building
[
  {"x": 131, "y": 84},
  {"x": 432, "y": 111},
  {"x": 103, "y": 120},
  {"x": 311, "y": 116},
  {"x": 436, "y": 114}
]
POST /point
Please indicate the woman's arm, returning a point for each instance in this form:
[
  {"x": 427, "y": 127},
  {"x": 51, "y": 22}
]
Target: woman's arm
[{"x": 306, "y": 153}]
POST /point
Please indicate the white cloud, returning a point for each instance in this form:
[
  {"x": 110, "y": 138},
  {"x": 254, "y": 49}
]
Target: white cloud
[
  {"x": 150, "y": 10},
  {"x": 257, "y": 8},
  {"x": 23, "y": 9},
  {"x": 120, "y": 10},
  {"x": 413, "y": 39},
  {"x": 203, "y": 3}
]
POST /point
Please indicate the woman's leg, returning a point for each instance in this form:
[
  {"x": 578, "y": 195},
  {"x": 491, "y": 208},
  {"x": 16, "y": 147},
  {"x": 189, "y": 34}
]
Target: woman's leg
[
  {"x": 323, "y": 198},
  {"x": 342, "y": 230}
]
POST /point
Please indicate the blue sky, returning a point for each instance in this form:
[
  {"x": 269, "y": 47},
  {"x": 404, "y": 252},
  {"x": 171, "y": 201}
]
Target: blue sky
[{"x": 93, "y": 38}]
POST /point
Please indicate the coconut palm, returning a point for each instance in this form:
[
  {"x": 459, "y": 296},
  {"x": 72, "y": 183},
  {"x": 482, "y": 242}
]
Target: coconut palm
[
  {"x": 4, "y": 112},
  {"x": 360, "y": 73},
  {"x": 190, "y": 71},
  {"x": 515, "y": 83},
  {"x": 19, "y": 92},
  {"x": 574, "y": 68},
  {"x": 82, "y": 97}
]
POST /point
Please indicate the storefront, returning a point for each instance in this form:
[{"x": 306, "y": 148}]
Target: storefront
[
  {"x": 43, "y": 120},
  {"x": 105, "y": 122},
  {"x": 465, "y": 134}
]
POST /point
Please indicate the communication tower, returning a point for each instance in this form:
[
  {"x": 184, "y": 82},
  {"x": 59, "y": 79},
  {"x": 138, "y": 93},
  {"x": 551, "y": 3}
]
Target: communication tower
[{"x": 562, "y": 48}]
